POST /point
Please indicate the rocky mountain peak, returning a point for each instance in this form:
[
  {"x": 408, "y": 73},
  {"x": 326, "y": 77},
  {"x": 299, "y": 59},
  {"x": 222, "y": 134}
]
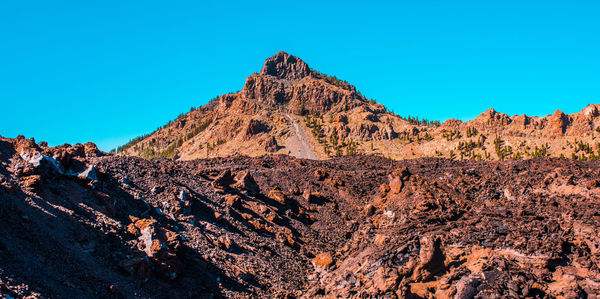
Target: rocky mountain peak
[
  {"x": 285, "y": 66},
  {"x": 493, "y": 118},
  {"x": 591, "y": 111}
]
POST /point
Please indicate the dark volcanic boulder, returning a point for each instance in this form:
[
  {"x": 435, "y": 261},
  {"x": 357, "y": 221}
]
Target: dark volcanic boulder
[{"x": 223, "y": 180}]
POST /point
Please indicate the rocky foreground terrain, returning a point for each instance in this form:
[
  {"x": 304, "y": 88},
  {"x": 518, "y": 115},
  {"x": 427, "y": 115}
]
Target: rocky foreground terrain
[{"x": 78, "y": 223}]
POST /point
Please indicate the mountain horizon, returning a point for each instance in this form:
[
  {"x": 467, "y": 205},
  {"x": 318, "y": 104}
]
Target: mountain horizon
[
  {"x": 322, "y": 116},
  {"x": 418, "y": 115}
]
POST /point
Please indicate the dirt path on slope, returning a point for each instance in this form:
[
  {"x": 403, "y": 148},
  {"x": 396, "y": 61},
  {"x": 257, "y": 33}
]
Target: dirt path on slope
[{"x": 298, "y": 143}]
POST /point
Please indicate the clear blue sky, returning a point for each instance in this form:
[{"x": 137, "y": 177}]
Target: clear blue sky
[{"x": 106, "y": 71}]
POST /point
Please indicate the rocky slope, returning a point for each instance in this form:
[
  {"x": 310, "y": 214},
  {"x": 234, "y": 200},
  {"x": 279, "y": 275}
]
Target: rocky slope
[
  {"x": 262, "y": 117},
  {"x": 258, "y": 119},
  {"x": 77, "y": 223}
]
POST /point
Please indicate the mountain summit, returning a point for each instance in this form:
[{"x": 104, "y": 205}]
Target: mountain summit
[
  {"x": 289, "y": 108},
  {"x": 285, "y": 66}
]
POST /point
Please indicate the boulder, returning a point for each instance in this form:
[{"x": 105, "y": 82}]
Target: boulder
[
  {"x": 233, "y": 200},
  {"x": 278, "y": 196},
  {"x": 385, "y": 279},
  {"x": 89, "y": 174},
  {"x": 223, "y": 180},
  {"x": 396, "y": 184},
  {"x": 245, "y": 181},
  {"x": 431, "y": 258},
  {"x": 271, "y": 145},
  {"x": 322, "y": 260},
  {"x": 397, "y": 178}
]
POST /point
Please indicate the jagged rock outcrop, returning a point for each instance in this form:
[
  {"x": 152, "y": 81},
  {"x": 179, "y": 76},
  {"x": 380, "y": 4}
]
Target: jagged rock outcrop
[
  {"x": 558, "y": 123},
  {"x": 256, "y": 126},
  {"x": 492, "y": 119},
  {"x": 285, "y": 66}
]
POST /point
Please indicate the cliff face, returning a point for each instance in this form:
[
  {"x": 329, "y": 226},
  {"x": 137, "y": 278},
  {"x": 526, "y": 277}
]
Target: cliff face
[{"x": 286, "y": 96}]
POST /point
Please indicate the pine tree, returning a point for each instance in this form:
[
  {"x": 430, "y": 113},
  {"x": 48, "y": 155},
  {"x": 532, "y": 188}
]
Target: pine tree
[
  {"x": 334, "y": 138},
  {"x": 499, "y": 146}
]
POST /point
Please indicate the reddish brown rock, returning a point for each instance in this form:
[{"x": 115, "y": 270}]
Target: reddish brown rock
[
  {"x": 256, "y": 126},
  {"x": 278, "y": 196},
  {"x": 245, "y": 181},
  {"x": 322, "y": 260},
  {"x": 385, "y": 279},
  {"x": 285, "y": 66},
  {"x": 271, "y": 145},
  {"x": 431, "y": 258},
  {"x": 233, "y": 200},
  {"x": 396, "y": 184},
  {"x": 223, "y": 180},
  {"x": 558, "y": 123},
  {"x": 91, "y": 150},
  {"x": 321, "y": 174},
  {"x": 32, "y": 183}
]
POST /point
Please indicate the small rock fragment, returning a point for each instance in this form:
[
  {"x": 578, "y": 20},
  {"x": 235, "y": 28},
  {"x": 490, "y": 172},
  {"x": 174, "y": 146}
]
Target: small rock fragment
[
  {"x": 322, "y": 260},
  {"x": 233, "y": 200},
  {"x": 278, "y": 196}
]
